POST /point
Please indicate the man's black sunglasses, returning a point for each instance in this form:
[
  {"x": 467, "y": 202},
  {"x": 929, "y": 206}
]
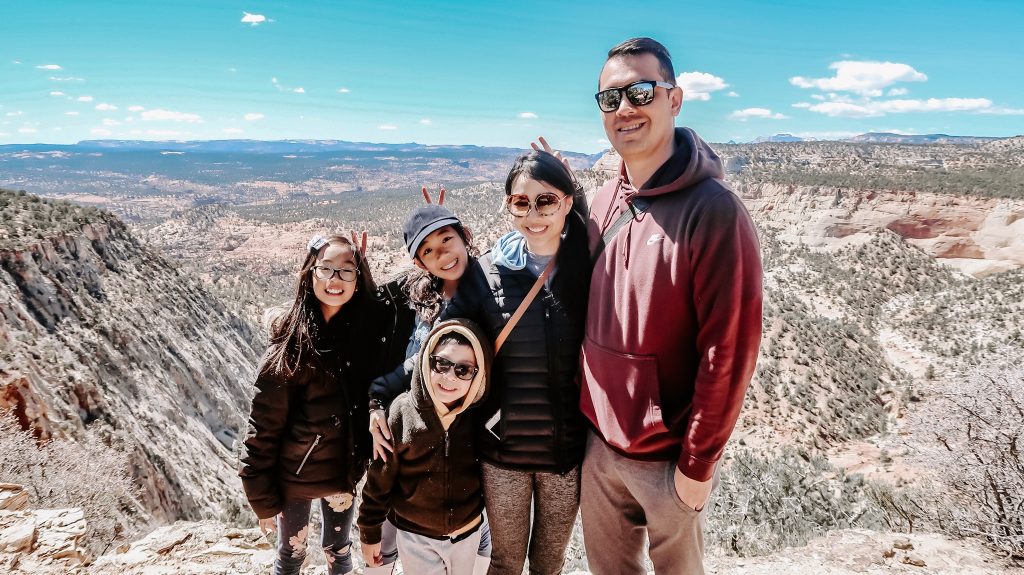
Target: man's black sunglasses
[{"x": 638, "y": 93}]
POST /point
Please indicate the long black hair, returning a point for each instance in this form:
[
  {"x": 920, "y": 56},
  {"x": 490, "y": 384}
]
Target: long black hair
[
  {"x": 295, "y": 334},
  {"x": 571, "y": 285}
]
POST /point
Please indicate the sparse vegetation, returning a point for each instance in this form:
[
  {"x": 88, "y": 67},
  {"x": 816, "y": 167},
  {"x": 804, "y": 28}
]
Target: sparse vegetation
[
  {"x": 977, "y": 425},
  {"x": 93, "y": 474}
]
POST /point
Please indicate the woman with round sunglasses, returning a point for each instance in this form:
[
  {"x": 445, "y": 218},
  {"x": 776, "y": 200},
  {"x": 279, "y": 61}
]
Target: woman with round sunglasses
[{"x": 532, "y": 441}]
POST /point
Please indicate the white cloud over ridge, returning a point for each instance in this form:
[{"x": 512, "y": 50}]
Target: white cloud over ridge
[
  {"x": 233, "y": 131},
  {"x": 169, "y": 116},
  {"x": 876, "y": 108},
  {"x": 100, "y": 132},
  {"x": 861, "y": 77},
  {"x": 253, "y": 19},
  {"x": 758, "y": 113},
  {"x": 699, "y": 85},
  {"x": 527, "y": 116}
]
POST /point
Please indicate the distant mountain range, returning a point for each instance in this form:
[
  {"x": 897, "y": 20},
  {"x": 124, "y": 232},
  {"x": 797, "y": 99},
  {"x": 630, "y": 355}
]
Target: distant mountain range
[
  {"x": 886, "y": 138},
  {"x": 278, "y": 147}
]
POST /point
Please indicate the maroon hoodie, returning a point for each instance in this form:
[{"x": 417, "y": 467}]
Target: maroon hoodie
[{"x": 674, "y": 319}]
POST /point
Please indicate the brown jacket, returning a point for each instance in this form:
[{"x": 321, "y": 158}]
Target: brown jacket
[{"x": 431, "y": 484}]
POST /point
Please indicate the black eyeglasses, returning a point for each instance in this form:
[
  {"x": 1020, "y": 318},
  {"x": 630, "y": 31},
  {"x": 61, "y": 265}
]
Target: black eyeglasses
[
  {"x": 324, "y": 273},
  {"x": 638, "y": 93},
  {"x": 463, "y": 371},
  {"x": 546, "y": 204}
]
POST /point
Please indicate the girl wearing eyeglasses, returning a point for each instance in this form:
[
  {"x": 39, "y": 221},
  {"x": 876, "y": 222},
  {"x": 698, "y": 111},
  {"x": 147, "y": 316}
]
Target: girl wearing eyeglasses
[
  {"x": 533, "y": 435},
  {"x": 307, "y": 435}
]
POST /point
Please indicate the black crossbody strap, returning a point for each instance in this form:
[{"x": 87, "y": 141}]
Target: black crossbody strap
[{"x": 639, "y": 206}]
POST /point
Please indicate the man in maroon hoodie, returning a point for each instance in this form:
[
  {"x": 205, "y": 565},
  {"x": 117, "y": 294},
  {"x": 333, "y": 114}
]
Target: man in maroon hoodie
[{"x": 673, "y": 324}]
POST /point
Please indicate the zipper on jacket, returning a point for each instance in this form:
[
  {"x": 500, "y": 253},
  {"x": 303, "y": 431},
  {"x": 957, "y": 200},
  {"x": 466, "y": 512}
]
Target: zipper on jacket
[
  {"x": 316, "y": 441},
  {"x": 448, "y": 486}
]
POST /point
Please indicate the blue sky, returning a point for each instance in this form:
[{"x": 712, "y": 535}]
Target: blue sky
[{"x": 491, "y": 73}]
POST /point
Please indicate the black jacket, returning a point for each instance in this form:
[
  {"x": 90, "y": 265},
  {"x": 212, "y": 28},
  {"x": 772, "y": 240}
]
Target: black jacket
[
  {"x": 395, "y": 324},
  {"x": 307, "y": 434},
  {"x": 431, "y": 484},
  {"x": 535, "y": 378}
]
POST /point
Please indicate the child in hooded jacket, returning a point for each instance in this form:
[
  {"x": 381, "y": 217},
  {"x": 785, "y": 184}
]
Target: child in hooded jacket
[{"x": 430, "y": 487}]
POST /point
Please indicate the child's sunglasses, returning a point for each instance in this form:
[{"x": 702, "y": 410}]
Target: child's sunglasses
[
  {"x": 463, "y": 371},
  {"x": 638, "y": 93}
]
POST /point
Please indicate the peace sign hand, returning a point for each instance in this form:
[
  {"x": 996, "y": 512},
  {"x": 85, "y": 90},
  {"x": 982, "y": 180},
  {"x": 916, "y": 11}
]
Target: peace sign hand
[{"x": 547, "y": 148}]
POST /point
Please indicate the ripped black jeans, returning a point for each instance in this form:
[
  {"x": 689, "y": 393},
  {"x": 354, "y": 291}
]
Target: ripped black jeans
[{"x": 293, "y": 534}]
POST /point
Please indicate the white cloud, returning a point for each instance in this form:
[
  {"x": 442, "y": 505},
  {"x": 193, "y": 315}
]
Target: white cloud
[
  {"x": 252, "y": 117},
  {"x": 13, "y": 114},
  {"x": 85, "y": 98},
  {"x": 26, "y": 130},
  {"x": 110, "y": 122},
  {"x": 803, "y": 105},
  {"x": 57, "y": 93},
  {"x": 299, "y": 90},
  {"x": 759, "y": 113},
  {"x": 105, "y": 107},
  {"x": 232, "y": 70},
  {"x": 343, "y": 90},
  {"x": 426, "y": 121},
  {"x": 233, "y": 131},
  {"x": 864, "y": 78},
  {"x": 527, "y": 116},
  {"x": 169, "y": 116},
  {"x": 733, "y": 95},
  {"x": 162, "y": 133},
  {"x": 869, "y": 108},
  {"x": 49, "y": 67},
  {"x": 387, "y": 127},
  {"x": 1003, "y": 111},
  {"x": 70, "y": 113},
  {"x": 16, "y": 62},
  {"x": 254, "y": 19},
  {"x": 135, "y": 108},
  {"x": 100, "y": 132},
  {"x": 66, "y": 79},
  {"x": 897, "y": 92},
  {"x": 699, "y": 85}
]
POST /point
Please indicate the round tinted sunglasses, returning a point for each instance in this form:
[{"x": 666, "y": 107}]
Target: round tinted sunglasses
[
  {"x": 638, "y": 93},
  {"x": 546, "y": 204},
  {"x": 463, "y": 371}
]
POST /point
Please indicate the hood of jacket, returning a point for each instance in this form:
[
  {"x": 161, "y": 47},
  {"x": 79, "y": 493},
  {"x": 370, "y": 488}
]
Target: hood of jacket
[
  {"x": 421, "y": 390},
  {"x": 693, "y": 162},
  {"x": 510, "y": 251}
]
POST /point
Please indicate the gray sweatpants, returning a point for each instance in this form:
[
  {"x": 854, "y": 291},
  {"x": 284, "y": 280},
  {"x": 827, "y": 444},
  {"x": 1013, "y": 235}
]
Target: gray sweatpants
[
  {"x": 509, "y": 495},
  {"x": 621, "y": 500},
  {"x": 425, "y": 556}
]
